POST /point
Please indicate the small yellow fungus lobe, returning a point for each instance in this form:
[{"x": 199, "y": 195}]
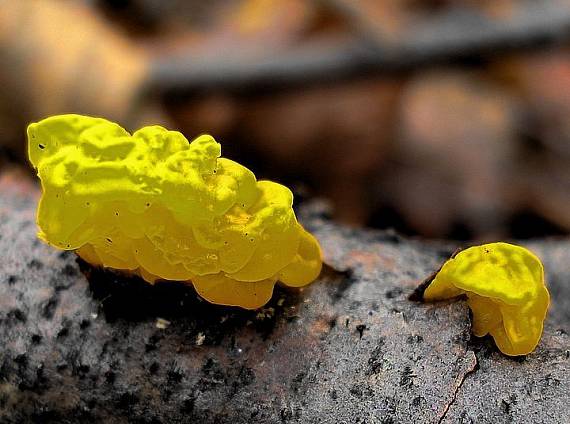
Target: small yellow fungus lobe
[
  {"x": 505, "y": 290},
  {"x": 157, "y": 205}
]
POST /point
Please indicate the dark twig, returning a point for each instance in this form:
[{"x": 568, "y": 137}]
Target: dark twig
[{"x": 449, "y": 38}]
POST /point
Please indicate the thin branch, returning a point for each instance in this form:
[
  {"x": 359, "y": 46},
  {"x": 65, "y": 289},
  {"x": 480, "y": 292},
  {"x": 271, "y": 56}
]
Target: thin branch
[{"x": 445, "y": 39}]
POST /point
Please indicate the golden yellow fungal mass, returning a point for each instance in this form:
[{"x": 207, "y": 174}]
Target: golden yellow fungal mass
[
  {"x": 157, "y": 205},
  {"x": 505, "y": 290}
]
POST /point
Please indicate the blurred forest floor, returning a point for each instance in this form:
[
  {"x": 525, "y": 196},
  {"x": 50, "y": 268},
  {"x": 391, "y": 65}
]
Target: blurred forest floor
[{"x": 441, "y": 118}]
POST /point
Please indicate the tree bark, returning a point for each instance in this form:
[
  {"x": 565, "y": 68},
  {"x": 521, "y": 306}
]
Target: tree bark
[{"x": 82, "y": 344}]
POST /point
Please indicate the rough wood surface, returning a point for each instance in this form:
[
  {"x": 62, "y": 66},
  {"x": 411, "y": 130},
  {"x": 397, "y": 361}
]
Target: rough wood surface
[{"x": 351, "y": 348}]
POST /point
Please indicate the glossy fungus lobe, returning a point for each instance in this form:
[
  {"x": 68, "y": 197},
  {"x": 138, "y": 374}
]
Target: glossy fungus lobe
[
  {"x": 505, "y": 290},
  {"x": 157, "y": 205}
]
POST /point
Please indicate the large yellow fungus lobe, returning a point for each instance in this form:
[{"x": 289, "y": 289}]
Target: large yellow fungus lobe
[
  {"x": 157, "y": 205},
  {"x": 505, "y": 290}
]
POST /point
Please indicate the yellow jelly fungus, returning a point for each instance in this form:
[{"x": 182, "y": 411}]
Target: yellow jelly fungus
[
  {"x": 505, "y": 290},
  {"x": 155, "y": 204}
]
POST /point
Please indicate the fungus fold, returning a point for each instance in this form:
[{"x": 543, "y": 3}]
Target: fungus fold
[
  {"x": 155, "y": 204},
  {"x": 505, "y": 290}
]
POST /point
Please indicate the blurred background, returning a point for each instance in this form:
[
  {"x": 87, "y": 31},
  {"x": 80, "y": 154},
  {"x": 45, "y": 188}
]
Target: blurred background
[{"x": 439, "y": 118}]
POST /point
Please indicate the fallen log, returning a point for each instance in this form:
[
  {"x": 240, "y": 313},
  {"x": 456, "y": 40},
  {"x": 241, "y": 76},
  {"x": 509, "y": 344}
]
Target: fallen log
[{"x": 81, "y": 344}]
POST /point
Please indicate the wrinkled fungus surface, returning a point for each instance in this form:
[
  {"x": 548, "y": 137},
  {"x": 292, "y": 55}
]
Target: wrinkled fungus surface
[
  {"x": 157, "y": 205},
  {"x": 505, "y": 290}
]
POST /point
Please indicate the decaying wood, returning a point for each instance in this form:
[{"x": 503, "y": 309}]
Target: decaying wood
[{"x": 351, "y": 348}]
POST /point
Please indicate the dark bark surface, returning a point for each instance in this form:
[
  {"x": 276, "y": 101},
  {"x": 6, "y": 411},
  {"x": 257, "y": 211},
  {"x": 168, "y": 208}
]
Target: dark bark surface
[{"x": 351, "y": 348}]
